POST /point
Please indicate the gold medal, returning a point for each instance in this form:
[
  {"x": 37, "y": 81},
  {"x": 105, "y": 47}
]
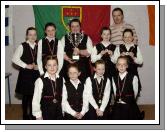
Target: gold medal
[{"x": 54, "y": 101}]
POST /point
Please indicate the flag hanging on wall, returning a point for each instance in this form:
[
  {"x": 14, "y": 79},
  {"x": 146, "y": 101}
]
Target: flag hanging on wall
[
  {"x": 92, "y": 17},
  {"x": 8, "y": 25},
  {"x": 151, "y": 14}
]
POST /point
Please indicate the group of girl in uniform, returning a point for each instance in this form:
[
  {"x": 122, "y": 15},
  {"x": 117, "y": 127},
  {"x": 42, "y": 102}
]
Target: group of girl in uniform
[{"x": 56, "y": 81}]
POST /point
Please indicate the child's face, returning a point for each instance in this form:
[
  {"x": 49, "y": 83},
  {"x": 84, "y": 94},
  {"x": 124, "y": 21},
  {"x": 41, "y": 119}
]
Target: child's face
[
  {"x": 50, "y": 31},
  {"x": 32, "y": 36},
  {"x": 51, "y": 67},
  {"x": 100, "y": 69},
  {"x": 128, "y": 38},
  {"x": 73, "y": 73},
  {"x": 122, "y": 65},
  {"x": 106, "y": 35},
  {"x": 75, "y": 27}
]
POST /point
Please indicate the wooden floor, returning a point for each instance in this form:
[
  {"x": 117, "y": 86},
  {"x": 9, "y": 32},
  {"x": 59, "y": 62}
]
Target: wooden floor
[{"x": 14, "y": 112}]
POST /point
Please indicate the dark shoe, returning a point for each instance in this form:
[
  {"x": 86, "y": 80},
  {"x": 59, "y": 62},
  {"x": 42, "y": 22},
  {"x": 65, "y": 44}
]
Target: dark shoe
[
  {"x": 26, "y": 117},
  {"x": 32, "y": 117}
]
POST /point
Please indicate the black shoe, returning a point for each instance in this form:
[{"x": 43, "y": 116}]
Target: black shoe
[
  {"x": 26, "y": 117},
  {"x": 142, "y": 115},
  {"x": 32, "y": 117}
]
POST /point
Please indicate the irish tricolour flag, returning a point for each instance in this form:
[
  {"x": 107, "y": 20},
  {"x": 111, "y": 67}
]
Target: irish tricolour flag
[{"x": 94, "y": 17}]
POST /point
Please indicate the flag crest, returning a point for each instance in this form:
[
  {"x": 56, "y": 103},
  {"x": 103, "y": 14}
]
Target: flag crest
[{"x": 70, "y": 12}]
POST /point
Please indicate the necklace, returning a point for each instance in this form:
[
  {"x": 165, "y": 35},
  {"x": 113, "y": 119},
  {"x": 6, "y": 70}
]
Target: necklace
[
  {"x": 54, "y": 91},
  {"x": 33, "y": 53},
  {"x": 99, "y": 89},
  {"x": 121, "y": 90},
  {"x": 51, "y": 50}
]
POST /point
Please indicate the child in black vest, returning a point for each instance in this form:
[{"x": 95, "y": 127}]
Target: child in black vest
[
  {"x": 47, "y": 97},
  {"x": 78, "y": 48},
  {"x": 49, "y": 45},
  {"x": 26, "y": 58},
  {"x": 125, "y": 87},
  {"x": 98, "y": 91},
  {"x": 74, "y": 101},
  {"x": 133, "y": 53},
  {"x": 105, "y": 50}
]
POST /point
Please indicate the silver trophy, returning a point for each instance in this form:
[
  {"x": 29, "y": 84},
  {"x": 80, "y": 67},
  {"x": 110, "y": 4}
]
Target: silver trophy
[{"x": 75, "y": 39}]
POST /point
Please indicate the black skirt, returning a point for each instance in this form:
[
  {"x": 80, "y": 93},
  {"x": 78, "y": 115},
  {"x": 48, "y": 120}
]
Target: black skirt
[
  {"x": 25, "y": 83},
  {"x": 128, "y": 111},
  {"x": 50, "y": 110},
  {"x": 91, "y": 114}
]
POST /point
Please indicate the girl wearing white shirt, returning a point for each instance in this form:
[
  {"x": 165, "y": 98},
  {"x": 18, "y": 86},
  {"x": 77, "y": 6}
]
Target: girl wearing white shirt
[
  {"x": 50, "y": 45},
  {"x": 74, "y": 98},
  {"x": 26, "y": 58},
  {"x": 133, "y": 53},
  {"x": 46, "y": 104},
  {"x": 125, "y": 87},
  {"x": 98, "y": 91}
]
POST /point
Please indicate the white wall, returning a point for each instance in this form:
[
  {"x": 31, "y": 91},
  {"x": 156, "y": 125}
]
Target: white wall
[{"x": 23, "y": 17}]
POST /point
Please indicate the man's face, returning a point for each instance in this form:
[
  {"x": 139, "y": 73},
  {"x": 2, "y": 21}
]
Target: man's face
[{"x": 117, "y": 17}]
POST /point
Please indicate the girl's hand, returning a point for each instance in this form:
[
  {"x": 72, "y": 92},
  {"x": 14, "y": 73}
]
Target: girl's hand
[
  {"x": 110, "y": 52},
  {"x": 76, "y": 115},
  {"x": 97, "y": 111},
  {"x": 123, "y": 53},
  {"x": 30, "y": 66},
  {"x": 70, "y": 61},
  {"x": 131, "y": 54},
  {"x": 102, "y": 52},
  {"x": 100, "y": 113},
  {"x": 80, "y": 116},
  {"x": 35, "y": 67}
]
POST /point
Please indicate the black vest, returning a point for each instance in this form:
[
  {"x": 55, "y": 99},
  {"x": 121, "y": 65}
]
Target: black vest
[
  {"x": 75, "y": 96},
  {"x": 45, "y": 47},
  {"x": 127, "y": 93},
  {"x": 47, "y": 92},
  {"x": 132, "y": 49},
  {"x": 101, "y": 47},
  {"x": 69, "y": 46},
  {"x": 27, "y": 56},
  {"x": 95, "y": 89}
]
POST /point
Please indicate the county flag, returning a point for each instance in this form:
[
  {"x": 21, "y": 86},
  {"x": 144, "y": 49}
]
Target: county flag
[{"x": 94, "y": 17}]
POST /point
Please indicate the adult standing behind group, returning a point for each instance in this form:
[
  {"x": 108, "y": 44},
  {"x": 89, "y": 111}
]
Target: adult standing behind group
[
  {"x": 119, "y": 26},
  {"x": 78, "y": 48}
]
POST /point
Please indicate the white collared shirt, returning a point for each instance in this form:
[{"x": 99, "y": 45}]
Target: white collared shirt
[
  {"x": 135, "y": 83},
  {"x": 60, "y": 55},
  {"x": 138, "y": 59},
  {"x": 65, "y": 104},
  {"x": 106, "y": 94},
  {"x": 36, "y": 106},
  {"x": 19, "y": 52}
]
